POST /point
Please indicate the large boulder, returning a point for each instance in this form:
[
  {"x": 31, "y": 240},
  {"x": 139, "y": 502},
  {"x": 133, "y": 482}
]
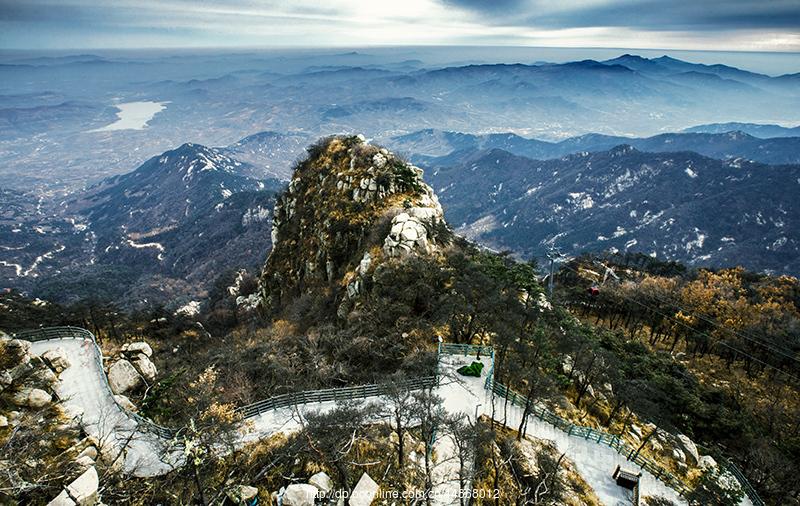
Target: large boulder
[
  {"x": 137, "y": 347},
  {"x": 322, "y": 481},
  {"x": 299, "y": 494},
  {"x": 123, "y": 377},
  {"x": 56, "y": 359},
  {"x": 690, "y": 449},
  {"x": 81, "y": 492},
  {"x": 145, "y": 367},
  {"x": 32, "y": 398},
  {"x": 365, "y": 491}
]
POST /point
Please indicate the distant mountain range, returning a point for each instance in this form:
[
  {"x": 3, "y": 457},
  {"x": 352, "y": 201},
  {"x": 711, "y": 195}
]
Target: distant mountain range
[
  {"x": 754, "y": 129},
  {"x": 269, "y": 154},
  {"x": 51, "y": 109},
  {"x": 427, "y": 146},
  {"x": 678, "y": 206},
  {"x": 159, "y": 234}
]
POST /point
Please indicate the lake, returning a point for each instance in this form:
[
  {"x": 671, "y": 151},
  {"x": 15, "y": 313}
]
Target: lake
[{"x": 134, "y": 115}]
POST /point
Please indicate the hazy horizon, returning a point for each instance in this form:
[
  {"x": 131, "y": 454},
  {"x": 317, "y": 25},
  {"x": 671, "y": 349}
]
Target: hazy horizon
[{"x": 772, "y": 63}]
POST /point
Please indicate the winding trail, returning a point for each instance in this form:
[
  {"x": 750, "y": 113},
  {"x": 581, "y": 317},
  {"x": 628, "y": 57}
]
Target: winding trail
[{"x": 148, "y": 450}]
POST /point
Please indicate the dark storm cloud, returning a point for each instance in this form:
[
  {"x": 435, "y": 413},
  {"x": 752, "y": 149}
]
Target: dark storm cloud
[
  {"x": 680, "y": 15},
  {"x": 16, "y": 11},
  {"x": 640, "y": 14}
]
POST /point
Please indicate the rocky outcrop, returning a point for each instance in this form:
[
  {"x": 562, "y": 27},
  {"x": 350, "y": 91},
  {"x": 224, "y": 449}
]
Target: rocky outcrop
[
  {"x": 349, "y": 207},
  {"x": 27, "y": 380}
]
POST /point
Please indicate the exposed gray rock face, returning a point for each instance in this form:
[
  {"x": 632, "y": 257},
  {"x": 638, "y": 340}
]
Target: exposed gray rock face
[
  {"x": 32, "y": 398},
  {"x": 337, "y": 207},
  {"x": 123, "y": 377},
  {"x": 300, "y": 494}
]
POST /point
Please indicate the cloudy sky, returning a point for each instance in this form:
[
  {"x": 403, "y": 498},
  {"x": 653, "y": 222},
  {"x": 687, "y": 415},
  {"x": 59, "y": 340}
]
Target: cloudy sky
[{"x": 729, "y": 25}]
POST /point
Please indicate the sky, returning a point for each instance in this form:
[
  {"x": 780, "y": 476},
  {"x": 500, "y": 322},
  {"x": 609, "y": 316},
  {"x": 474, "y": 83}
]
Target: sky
[{"x": 718, "y": 25}]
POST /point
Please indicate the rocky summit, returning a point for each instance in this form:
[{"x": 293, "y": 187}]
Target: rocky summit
[{"x": 349, "y": 207}]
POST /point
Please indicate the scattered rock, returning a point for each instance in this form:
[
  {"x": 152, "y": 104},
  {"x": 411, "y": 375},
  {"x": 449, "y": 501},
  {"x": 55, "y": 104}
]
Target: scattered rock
[
  {"x": 656, "y": 446},
  {"x": 123, "y": 377},
  {"x": 137, "y": 347},
  {"x": 322, "y": 481},
  {"x": 636, "y": 430},
  {"x": 364, "y": 492},
  {"x": 679, "y": 456},
  {"x": 56, "y": 359},
  {"x": 240, "y": 494},
  {"x": 299, "y": 494},
  {"x": 32, "y": 398},
  {"x": 82, "y": 491},
  {"x": 3, "y": 421},
  {"x": 689, "y": 448}
]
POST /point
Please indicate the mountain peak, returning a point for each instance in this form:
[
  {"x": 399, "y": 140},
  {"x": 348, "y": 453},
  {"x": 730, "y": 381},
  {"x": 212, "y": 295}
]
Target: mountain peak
[
  {"x": 190, "y": 159},
  {"x": 349, "y": 207}
]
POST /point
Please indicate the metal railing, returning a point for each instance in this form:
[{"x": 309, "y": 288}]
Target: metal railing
[
  {"x": 746, "y": 486},
  {"x": 54, "y": 333},
  {"x": 248, "y": 411},
  {"x": 374, "y": 390},
  {"x": 332, "y": 394},
  {"x": 611, "y": 440}
]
